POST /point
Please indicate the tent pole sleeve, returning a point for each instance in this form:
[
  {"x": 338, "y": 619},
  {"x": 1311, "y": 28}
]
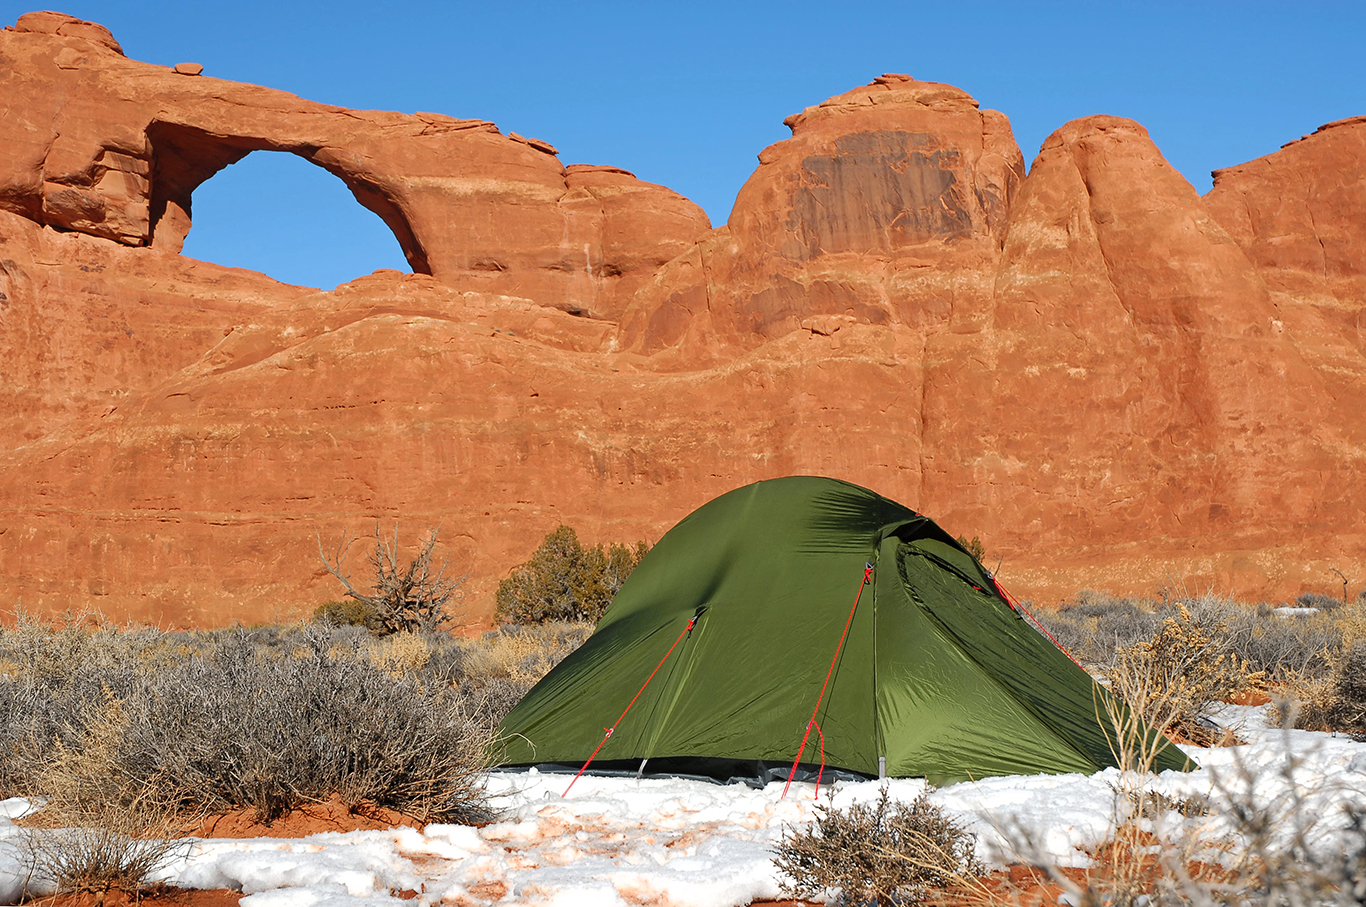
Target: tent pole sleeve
[{"x": 867, "y": 572}]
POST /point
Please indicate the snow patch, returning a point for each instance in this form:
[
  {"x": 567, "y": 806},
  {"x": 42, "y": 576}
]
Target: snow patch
[{"x": 623, "y": 841}]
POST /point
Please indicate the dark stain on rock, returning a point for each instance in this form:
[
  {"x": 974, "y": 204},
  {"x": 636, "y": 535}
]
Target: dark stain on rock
[{"x": 879, "y": 191}]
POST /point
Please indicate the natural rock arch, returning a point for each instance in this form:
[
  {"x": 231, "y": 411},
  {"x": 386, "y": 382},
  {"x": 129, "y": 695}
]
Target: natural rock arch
[
  {"x": 117, "y": 156},
  {"x": 184, "y": 157}
]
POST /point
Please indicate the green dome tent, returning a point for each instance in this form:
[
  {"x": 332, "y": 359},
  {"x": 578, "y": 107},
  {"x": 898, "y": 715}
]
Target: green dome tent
[{"x": 716, "y": 651}]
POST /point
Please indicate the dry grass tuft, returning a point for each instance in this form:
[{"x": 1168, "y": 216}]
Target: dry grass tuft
[
  {"x": 1336, "y": 702},
  {"x": 524, "y": 654},
  {"x": 400, "y": 653}
]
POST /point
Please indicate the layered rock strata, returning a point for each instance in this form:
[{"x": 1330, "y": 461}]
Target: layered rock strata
[{"x": 1113, "y": 381}]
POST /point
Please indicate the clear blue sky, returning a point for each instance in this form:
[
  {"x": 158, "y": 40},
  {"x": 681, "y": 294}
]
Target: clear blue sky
[{"x": 686, "y": 94}]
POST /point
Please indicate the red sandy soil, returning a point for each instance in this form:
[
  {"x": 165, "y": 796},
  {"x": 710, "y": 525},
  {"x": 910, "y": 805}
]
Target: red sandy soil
[
  {"x": 1249, "y": 697},
  {"x": 330, "y": 815},
  {"x": 159, "y": 897}
]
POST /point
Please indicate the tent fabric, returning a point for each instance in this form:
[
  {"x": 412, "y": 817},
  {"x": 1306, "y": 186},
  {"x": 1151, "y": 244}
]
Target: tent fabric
[{"x": 939, "y": 676}]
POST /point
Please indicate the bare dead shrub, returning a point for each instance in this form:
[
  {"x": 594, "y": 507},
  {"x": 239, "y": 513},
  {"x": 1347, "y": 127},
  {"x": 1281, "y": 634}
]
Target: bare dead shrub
[
  {"x": 882, "y": 853},
  {"x": 564, "y": 581},
  {"x": 99, "y": 850},
  {"x": 411, "y": 597}
]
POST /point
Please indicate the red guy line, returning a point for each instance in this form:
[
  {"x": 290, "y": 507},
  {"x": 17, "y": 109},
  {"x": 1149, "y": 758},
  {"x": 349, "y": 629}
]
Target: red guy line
[
  {"x": 692, "y": 620},
  {"x": 1014, "y": 603}
]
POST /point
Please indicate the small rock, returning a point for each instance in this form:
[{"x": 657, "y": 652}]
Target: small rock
[
  {"x": 189, "y": 69},
  {"x": 541, "y": 145}
]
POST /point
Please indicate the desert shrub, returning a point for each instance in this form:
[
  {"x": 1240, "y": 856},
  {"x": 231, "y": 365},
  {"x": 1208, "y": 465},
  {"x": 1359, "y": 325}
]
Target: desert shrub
[
  {"x": 1175, "y": 678},
  {"x": 1350, "y": 624},
  {"x": 104, "y": 850},
  {"x": 346, "y": 612},
  {"x": 404, "y": 598},
  {"x": 973, "y": 546},
  {"x": 1093, "y": 626},
  {"x": 1335, "y": 703},
  {"x": 1317, "y": 600},
  {"x": 1283, "y": 648},
  {"x": 241, "y": 718},
  {"x": 261, "y": 717},
  {"x": 1258, "y": 838},
  {"x": 881, "y": 853},
  {"x": 564, "y": 581}
]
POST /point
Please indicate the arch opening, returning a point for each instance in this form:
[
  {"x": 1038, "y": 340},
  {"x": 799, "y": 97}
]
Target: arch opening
[{"x": 276, "y": 212}]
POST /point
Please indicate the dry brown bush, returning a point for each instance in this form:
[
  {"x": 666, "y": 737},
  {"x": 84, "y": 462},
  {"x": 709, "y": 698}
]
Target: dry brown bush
[
  {"x": 1175, "y": 679},
  {"x": 524, "y": 653},
  {"x": 401, "y": 653},
  {"x": 882, "y": 853},
  {"x": 99, "y": 849},
  {"x": 1333, "y": 703}
]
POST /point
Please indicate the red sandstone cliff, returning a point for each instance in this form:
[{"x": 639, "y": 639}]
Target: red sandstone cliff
[{"x": 1112, "y": 380}]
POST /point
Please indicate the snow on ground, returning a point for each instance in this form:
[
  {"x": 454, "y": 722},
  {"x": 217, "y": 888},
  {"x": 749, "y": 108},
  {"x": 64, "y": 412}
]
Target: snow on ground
[{"x": 617, "y": 841}]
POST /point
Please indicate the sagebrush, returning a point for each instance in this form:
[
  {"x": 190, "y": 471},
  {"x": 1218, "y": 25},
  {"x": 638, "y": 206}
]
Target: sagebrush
[
  {"x": 1095, "y": 627},
  {"x": 269, "y": 719},
  {"x": 1177, "y": 677}
]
